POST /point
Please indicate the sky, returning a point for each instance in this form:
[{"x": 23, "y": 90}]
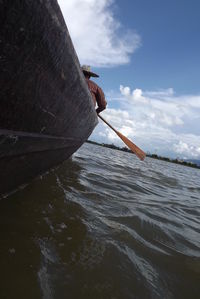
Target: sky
[{"x": 147, "y": 54}]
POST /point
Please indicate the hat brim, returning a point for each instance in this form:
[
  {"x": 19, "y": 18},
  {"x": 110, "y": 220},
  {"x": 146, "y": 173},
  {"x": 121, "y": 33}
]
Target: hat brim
[{"x": 91, "y": 74}]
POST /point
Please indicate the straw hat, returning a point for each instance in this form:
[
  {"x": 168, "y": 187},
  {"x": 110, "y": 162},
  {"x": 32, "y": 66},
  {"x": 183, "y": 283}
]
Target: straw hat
[{"x": 87, "y": 69}]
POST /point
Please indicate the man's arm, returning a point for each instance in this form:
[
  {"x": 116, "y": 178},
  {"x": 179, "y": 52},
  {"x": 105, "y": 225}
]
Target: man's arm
[{"x": 101, "y": 101}]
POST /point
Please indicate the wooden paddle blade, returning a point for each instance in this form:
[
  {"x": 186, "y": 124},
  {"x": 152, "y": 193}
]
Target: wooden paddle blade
[{"x": 134, "y": 148}]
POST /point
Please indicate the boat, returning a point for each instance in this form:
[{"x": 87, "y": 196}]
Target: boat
[{"x": 46, "y": 110}]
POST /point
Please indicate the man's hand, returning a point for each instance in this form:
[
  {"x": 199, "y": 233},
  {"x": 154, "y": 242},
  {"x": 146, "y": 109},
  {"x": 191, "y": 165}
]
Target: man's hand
[{"x": 99, "y": 109}]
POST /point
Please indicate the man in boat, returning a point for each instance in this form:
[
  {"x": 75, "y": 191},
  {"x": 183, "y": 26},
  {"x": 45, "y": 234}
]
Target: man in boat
[{"x": 96, "y": 91}]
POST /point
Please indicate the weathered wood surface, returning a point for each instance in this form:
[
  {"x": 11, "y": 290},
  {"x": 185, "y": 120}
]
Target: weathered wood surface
[{"x": 45, "y": 105}]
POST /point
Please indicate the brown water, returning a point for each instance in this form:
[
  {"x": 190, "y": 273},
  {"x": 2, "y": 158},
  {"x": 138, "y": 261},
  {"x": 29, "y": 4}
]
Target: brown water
[{"x": 103, "y": 225}]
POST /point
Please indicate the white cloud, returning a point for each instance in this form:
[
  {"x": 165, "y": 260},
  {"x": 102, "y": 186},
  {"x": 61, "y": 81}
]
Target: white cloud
[
  {"x": 161, "y": 93},
  {"x": 136, "y": 95},
  {"x": 98, "y": 37},
  {"x": 188, "y": 150},
  {"x": 151, "y": 119},
  {"x": 162, "y": 107}
]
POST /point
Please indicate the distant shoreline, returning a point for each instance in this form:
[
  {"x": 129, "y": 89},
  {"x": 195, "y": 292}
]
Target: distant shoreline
[{"x": 153, "y": 156}]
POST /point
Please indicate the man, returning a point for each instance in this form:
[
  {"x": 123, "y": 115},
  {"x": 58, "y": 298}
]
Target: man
[{"x": 96, "y": 92}]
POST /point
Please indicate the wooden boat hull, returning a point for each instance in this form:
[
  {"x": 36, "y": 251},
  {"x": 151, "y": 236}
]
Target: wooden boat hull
[{"x": 46, "y": 110}]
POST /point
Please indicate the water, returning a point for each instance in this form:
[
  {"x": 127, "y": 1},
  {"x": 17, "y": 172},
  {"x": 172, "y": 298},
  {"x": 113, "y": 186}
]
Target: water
[{"x": 103, "y": 225}]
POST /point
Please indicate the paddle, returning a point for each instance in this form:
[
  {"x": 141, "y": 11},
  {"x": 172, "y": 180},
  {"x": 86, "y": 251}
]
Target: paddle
[{"x": 134, "y": 148}]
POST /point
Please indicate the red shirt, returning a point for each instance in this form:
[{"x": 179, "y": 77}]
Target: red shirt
[{"x": 97, "y": 95}]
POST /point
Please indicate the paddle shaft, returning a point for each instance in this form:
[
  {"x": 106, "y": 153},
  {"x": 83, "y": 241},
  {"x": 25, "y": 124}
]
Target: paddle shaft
[
  {"x": 108, "y": 123},
  {"x": 135, "y": 149}
]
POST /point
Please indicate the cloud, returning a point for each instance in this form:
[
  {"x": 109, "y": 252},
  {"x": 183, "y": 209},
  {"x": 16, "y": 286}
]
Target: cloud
[
  {"x": 99, "y": 38},
  {"x": 162, "y": 107},
  {"x": 136, "y": 95},
  {"x": 157, "y": 121},
  {"x": 187, "y": 150}
]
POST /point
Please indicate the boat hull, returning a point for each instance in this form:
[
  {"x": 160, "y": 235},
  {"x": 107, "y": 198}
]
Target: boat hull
[{"x": 46, "y": 108}]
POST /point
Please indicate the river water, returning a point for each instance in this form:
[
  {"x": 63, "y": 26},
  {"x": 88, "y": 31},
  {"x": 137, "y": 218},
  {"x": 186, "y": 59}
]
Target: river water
[{"x": 103, "y": 225}]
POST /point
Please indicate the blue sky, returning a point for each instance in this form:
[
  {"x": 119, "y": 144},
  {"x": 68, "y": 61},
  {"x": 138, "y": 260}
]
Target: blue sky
[
  {"x": 147, "y": 54},
  {"x": 169, "y": 54}
]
